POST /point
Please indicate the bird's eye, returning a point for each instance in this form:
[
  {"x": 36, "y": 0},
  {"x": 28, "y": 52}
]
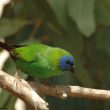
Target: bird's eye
[{"x": 67, "y": 62}]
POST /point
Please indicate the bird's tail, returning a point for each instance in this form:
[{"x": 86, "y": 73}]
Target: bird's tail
[{"x": 5, "y": 46}]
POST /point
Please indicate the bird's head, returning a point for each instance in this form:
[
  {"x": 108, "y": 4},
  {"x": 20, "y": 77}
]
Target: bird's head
[{"x": 67, "y": 63}]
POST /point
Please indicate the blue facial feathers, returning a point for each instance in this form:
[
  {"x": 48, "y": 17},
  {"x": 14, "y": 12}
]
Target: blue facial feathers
[{"x": 66, "y": 62}]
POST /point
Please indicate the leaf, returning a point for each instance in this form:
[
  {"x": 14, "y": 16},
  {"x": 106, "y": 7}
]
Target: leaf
[
  {"x": 11, "y": 26},
  {"x": 71, "y": 35},
  {"x": 82, "y": 12},
  {"x": 60, "y": 8}
]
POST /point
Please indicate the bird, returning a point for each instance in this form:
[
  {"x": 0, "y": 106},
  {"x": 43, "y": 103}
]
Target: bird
[{"x": 39, "y": 60}]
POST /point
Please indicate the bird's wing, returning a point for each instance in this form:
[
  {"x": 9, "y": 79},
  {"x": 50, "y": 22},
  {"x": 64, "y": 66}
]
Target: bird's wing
[{"x": 30, "y": 53}]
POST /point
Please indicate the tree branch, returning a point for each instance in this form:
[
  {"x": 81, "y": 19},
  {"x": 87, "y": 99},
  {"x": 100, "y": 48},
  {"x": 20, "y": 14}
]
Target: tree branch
[
  {"x": 70, "y": 91},
  {"x": 3, "y": 57},
  {"x": 2, "y": 5},
  {"x": 23, "y": 90}
]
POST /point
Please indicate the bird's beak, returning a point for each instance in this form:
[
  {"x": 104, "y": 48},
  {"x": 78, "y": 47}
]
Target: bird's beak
[{"x": 72, "y": 69}]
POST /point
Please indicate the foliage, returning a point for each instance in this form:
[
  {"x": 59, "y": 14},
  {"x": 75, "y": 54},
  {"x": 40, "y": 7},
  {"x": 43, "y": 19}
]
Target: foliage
[{"x": 79, "y": 26}]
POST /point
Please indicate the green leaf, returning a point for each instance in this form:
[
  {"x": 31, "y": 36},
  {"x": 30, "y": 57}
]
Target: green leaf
[
  {"x": 11, "y": 26},
  {"x": 60, "y": 8},
  {"x": 82, "y": 12}
]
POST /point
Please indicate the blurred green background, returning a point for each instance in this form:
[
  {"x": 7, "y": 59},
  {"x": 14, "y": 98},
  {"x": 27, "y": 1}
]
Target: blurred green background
[{"x": 81, "y": 27}]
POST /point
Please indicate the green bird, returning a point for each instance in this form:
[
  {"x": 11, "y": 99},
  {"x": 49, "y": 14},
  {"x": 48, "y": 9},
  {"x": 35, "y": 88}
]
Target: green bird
[{"x": 40, "y": 61}]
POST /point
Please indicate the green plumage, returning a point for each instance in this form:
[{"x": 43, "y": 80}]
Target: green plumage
[{"x": 38, "y": 60}]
